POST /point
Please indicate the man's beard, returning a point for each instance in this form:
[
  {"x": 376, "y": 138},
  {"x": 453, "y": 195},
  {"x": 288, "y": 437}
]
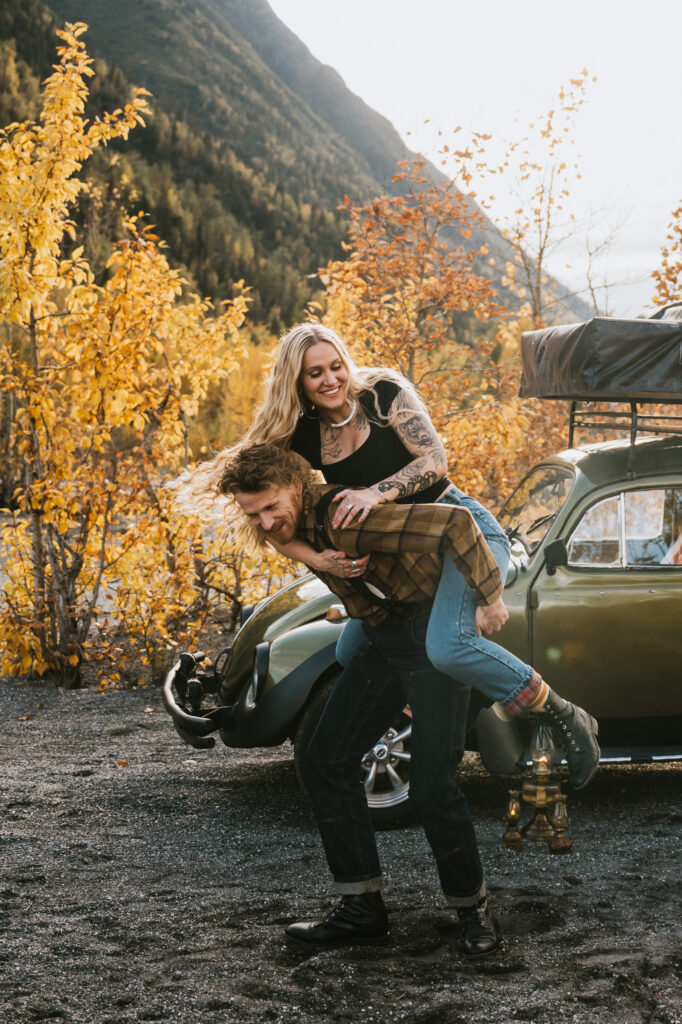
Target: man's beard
[{"x": 281, "y": 535}]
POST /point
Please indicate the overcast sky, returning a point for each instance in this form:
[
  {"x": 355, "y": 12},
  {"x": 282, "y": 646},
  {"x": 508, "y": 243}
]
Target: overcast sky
[{"x": 493, "y": 66}]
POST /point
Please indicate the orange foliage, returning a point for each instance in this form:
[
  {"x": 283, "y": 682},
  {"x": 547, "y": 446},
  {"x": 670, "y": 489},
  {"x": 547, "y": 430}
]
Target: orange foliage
[
  {"x": 668, "y": 277},
  {"x": 407, "y": 280},
  {"x": 496, "y": 437},
  {"x": 406, "y": 297}
]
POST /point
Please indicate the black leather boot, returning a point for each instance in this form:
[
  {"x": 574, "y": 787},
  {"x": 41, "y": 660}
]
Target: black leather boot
[
  {"x": 577, "y": 732},
  {"x": 359, "y": 918},
  {"x": 480, "y": 936}
]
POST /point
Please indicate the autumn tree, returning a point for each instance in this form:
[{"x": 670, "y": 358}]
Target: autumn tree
[
  {"x": 411, "y": 295},
  {"x": 98, "y": 386},
  {"x": 536, "y": 171},
  {"x": 668, "y": 277},
  {"x": 407, "y": 295},
  {"x": 541, "y": 166}
]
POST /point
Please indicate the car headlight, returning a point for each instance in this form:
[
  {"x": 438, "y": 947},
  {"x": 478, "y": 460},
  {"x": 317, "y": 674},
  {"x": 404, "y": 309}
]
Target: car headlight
[{"x": 259, "y": 673}]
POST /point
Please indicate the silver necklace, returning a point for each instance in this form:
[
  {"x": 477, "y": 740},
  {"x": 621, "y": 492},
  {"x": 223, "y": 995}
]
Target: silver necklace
[{"x": 344, "y": 423}]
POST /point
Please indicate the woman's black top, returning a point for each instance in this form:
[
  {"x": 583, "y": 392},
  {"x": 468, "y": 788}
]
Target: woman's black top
[{"x": 380, "y": 456}]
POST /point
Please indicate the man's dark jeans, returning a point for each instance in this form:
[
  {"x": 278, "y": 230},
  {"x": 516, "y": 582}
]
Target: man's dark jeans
[{"x": 374, "y": 687}]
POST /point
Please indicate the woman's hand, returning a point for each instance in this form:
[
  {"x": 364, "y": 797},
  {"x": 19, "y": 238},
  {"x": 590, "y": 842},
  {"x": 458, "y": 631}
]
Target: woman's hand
[
  {"x": 489, "y": 618},
  {"x": 354, "y": 505},
  {"x": 336, "y": 563}
]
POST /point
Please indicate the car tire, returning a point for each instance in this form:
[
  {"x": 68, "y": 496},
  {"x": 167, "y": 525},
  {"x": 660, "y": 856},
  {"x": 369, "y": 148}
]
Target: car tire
[{"x": 387, "y": 780}]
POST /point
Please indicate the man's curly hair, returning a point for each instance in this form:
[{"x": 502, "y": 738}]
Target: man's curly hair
[{"x": 254, "y": 468}]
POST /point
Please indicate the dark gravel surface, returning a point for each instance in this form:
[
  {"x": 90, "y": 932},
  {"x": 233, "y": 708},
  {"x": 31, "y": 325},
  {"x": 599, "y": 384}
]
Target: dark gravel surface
[{"x": 146, "y": 881}]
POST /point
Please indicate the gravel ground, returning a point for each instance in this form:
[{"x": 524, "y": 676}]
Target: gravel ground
[{"x": 146, "y": 881}]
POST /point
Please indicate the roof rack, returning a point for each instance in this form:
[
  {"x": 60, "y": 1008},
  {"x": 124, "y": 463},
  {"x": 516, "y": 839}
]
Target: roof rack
[
  {"x": 632, "y": 420},
  {"x": 611, "y": 419}
]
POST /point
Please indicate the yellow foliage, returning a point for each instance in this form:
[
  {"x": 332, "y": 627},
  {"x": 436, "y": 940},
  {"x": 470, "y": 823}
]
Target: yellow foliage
[{"x": 105, "y": 381}]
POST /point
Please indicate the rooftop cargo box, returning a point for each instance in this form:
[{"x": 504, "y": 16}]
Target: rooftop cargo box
[{"x": 606, "y": 359}]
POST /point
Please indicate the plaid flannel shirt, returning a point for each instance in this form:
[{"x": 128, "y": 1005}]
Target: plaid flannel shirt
[{"x": 407, "y": 544}]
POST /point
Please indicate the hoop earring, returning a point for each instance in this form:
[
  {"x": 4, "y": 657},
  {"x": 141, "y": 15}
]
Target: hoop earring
[{"x": 307, "y": 409}]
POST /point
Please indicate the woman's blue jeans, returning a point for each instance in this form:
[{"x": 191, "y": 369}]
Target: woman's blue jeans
[
  {"x": 388, "y": 672},
  {"x": 452, "y": 645}
]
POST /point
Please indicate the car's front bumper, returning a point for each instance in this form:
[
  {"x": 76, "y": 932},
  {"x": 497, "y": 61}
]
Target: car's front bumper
[{"x": 194, "y": 726}]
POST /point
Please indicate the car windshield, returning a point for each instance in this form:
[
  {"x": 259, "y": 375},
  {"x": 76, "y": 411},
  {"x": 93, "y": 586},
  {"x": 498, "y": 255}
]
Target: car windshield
[{"x": 535, "y": 504}]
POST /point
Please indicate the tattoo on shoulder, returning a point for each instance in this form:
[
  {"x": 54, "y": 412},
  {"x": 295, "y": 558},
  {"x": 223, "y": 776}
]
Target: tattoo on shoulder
[
  {"x": 418, "y": 430},
  {"x": 404, "y": 400}
]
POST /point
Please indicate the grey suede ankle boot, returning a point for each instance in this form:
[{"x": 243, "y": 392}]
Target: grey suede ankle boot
[{"x": 576, "y": 731}]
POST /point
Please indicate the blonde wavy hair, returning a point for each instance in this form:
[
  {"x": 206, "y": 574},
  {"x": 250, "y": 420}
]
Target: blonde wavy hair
[
  {"x": 275, "y": 421},
  {"x": 283, "y": 405}
]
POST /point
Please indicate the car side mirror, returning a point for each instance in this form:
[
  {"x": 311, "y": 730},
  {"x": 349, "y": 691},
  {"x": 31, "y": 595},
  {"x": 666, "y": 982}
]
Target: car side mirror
[{"x": 556, "y": 553}]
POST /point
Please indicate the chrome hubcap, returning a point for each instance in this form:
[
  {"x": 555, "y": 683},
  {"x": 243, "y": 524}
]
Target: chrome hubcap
[{"x": 386, "y": 768}]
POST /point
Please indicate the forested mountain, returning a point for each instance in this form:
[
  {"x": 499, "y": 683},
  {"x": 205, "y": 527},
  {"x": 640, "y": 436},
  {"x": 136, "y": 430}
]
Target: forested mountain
[
  {"x": 252, "y": 145},
  {"x": 232, "y": 67},
  {"x": 238, "y": 171}
]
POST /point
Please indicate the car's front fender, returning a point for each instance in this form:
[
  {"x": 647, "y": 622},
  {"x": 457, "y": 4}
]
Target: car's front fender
[
  {"x": 290, "y": 649},
  {"x": 271, "y": 719}
]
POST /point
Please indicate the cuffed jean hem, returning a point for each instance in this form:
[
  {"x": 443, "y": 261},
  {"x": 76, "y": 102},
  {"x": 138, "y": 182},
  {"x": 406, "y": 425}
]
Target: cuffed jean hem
[
  {"x": 356, "y": 888},
  {"x": 518, "y": 703},
  {"x": 519, "y": 691},
  {"x": 467, "y": 901}
]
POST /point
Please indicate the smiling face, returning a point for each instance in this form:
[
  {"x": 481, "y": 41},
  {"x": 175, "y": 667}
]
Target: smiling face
[
  {"x": 276, "y": 510},
  {"x": 324, "y": 380}
]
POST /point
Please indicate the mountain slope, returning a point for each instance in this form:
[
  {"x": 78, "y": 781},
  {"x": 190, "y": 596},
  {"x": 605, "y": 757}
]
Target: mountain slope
[
  {"x": 193, "y": 57},
  {"x": 318, "y": 85},
  {"x": 251, "y": 149}
]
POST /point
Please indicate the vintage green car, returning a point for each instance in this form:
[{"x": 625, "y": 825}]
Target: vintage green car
[
  {"x": 594, "y": 593},
  {"x": 594, "y": 588}
]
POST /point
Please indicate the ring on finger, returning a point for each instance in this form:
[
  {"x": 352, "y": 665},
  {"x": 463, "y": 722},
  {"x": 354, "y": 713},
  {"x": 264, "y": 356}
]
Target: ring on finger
[{"x": 348, "y": 504}]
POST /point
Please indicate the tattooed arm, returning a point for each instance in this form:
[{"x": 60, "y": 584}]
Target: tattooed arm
[{"x": 416, "y": 431}]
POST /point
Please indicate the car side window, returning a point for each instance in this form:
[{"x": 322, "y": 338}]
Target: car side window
[
  {"x": 645, "y": 540},
  {"x": 667, "y": 544},
  {"x": 629, "y": 530},
  {"x": 597, "y": 538}
]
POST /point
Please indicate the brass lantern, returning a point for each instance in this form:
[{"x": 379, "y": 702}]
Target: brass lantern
[{"x": 549, "y": 819}]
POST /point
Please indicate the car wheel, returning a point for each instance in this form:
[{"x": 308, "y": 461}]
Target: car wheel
[{"x": 386, "y": 767}]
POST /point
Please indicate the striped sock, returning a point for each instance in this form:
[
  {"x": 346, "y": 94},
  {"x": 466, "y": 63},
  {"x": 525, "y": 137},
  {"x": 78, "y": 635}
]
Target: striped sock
[{"x": 532, "y": 696}]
